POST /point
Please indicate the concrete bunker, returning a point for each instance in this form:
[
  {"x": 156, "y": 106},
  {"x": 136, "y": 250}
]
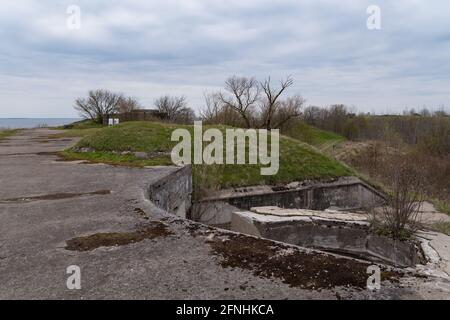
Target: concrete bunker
[
  {"x": 344, "y": 233},
  {"x": 292, "y": 214},
  {"x": 345, "y": 193}
]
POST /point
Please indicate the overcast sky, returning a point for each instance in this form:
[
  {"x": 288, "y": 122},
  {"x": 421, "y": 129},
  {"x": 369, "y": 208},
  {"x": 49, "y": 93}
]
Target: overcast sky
[{"x": 187, "y": 47}]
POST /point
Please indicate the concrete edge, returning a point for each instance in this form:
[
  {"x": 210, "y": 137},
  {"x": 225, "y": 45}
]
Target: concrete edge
[{"x": 356, "y": 181}]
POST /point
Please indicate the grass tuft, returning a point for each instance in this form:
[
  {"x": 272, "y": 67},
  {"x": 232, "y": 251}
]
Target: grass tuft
[
  {"x": 443, "y": 227},
  {"x": 7, "y": 133},
  {"x": 441, "y": 206}
]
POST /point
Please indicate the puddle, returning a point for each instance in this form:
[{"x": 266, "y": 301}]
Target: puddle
[{"x": 114, "y": 239}]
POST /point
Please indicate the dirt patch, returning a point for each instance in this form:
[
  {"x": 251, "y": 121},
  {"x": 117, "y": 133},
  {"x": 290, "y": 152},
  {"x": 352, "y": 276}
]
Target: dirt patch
[
  {"x": 55, "y": 196},
  {"x": 296, "y": 268},
  {"x": 154, "y": 230},
  {"x": 197, "y": 229}
]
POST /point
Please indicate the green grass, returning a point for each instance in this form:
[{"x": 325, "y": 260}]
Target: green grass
[
  {"x": 115, "y": 159},
  {"x": 78, "y": 129},
  {"x": 132, "y": 136},
  {"x": 443, "y": 227},
  {"x": 441, "y": 206},
  {"x": 314, "y": 136},
  {"x": 7, "y": 133},
  {"x": 83, "y": 124},
  {"x": 69, "y": 133},
  {"x": 298, "y": 161}
]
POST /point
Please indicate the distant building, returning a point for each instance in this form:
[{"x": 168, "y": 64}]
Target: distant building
[
  {"x": 135, "y": 115},
  {"x": 142, "y": 115},
  {"x": 113, "y": 121}
]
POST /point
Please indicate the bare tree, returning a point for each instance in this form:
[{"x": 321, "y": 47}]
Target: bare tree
[
  {"x": 287, "y": 110},
  {"x": 271, "y": 102},
  {"x": 170, "y": 105},
  {"x": 98, "y": 105},
  {"x": 127, "y": 104},
  {"x": 175, "y": 109},
  {"x": 243, "y": 106},
  {"x": 243, "y": 95},
  {"x": 212, "y": 109},
  {"x": 185, "y": 116},
  {"x": 312, "y": 115},
  {"x": 215, "y": 112}
]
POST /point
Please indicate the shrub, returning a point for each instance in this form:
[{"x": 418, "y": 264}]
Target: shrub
[{"x": 399, "y": 217}]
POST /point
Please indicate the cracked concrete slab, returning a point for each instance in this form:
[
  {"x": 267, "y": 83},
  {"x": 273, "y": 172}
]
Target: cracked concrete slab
[
  {"x": 295, "y": 213},
  {"x": 441, "y": 244}
]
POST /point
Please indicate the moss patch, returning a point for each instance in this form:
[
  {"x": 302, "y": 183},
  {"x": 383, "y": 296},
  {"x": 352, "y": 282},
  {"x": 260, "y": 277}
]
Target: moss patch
[{"x": 154, "y": 230}]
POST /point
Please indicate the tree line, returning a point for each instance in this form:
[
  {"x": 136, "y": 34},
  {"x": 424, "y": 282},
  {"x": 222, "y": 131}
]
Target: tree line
[
  {"x": 101, "y": 104},
  {"x": 248, "y": 103},
  {"x": 244, "y": 102},
  {"x": 427, "y": 130}
]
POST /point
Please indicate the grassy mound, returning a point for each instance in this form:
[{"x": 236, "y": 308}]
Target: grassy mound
[
  {"x": 298, "y": 161},
  {"x": 314, "y": 136},
  {"x": 78, "y": 129},
  {"x": 82, "y": 124},
  {"x": 132, "y": 136}
]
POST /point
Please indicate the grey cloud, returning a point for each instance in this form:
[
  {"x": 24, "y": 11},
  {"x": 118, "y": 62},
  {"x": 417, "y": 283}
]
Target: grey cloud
[{"x": 148, "y": 48}]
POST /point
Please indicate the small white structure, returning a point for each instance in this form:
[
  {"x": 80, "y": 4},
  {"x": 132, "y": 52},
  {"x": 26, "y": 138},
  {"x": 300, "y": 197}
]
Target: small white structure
[{"x": 113, "y": 121}]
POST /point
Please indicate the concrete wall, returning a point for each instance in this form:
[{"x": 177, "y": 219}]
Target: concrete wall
[
  {"x": 216, "y": 213},
  {"x": 335, "y": 236},
  {"x": 142, "y": 115},
  {"x": 173, "y": 193},
  {"x": 345, "y": 195}
]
